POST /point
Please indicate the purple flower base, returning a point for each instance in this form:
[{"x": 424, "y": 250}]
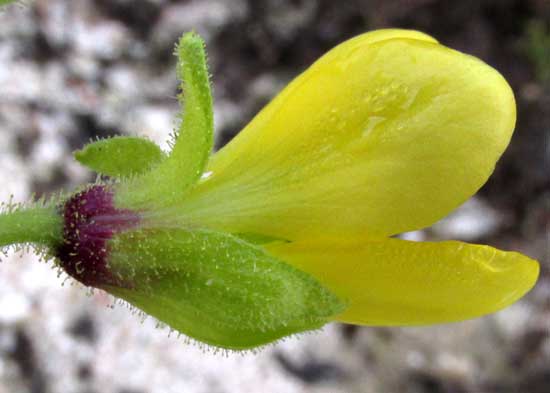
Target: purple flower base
[{"x": 90, "y": 221}]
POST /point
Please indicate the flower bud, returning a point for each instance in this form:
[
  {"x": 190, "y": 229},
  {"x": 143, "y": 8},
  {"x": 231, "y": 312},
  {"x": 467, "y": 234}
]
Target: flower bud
[{"x": 212, "y": 286}]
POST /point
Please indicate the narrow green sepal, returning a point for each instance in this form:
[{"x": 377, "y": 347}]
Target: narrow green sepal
[
  {"x": 121, "y": 156},
  {"x": 192, "y": 143},
  {"x": 217, "y": 288}
]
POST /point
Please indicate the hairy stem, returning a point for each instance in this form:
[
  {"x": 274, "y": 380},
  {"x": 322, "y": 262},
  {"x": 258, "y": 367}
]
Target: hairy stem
[{"x": 34, "y": 225}]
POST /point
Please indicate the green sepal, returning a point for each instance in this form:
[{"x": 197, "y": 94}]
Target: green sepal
[
  {"x": 192, "y": 143},
  {"x": 217, "y": 288},
  {"x": 121, "y": 156}
]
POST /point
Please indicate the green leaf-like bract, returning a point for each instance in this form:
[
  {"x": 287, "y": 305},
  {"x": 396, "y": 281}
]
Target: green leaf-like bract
[
  {"x": 121, "y": 156},
  {"x": 193, "y": 143},
  {"x": 217, "y": 288}
]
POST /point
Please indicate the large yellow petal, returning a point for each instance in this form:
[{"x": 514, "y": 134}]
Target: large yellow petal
[
  {"x": 397, "y": 282},
  {"x": 386, "y": 133}
]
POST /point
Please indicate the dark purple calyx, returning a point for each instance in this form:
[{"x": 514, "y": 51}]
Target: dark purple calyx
[{"x": 90, "y": 221}]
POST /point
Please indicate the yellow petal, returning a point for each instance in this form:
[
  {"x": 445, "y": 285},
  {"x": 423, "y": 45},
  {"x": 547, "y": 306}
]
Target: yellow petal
[
  {"x": 386, "y": 133},
  {"x": 397, "y": 282},
  {"x": 347, "y": 48}
]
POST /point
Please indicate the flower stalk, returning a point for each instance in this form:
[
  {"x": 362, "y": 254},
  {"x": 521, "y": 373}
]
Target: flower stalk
[{"x": 36, "y": 225}]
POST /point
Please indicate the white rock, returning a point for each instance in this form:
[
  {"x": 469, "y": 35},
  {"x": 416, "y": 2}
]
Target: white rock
[
  {"x": 104, "y": 39},
  {"x": 14, "y": 308},
  {"x": 472, "y": 220},
  {"x": 153, "y": 122},
  {"x": 203, "y": 16}
]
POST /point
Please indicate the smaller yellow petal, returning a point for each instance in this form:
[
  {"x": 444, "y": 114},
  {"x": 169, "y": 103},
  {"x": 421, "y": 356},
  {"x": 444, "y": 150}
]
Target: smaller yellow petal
[{"x": 397, "y": 282}]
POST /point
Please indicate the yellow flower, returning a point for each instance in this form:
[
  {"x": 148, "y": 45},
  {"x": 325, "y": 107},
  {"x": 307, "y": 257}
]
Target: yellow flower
[
  {"x": 386, "y": 133},
  {"x": 289, "y": 226}
]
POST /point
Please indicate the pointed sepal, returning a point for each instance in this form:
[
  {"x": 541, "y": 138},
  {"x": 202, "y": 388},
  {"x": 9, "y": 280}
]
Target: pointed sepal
[
  {"x": 216, "y": 288},
  {"x": 192, "y": 143},
  {"x": 121, "y": 156}
]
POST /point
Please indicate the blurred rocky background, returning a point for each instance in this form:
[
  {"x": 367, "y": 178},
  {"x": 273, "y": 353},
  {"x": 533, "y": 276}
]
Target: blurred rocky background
[{"x": 76, "y": 70}]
